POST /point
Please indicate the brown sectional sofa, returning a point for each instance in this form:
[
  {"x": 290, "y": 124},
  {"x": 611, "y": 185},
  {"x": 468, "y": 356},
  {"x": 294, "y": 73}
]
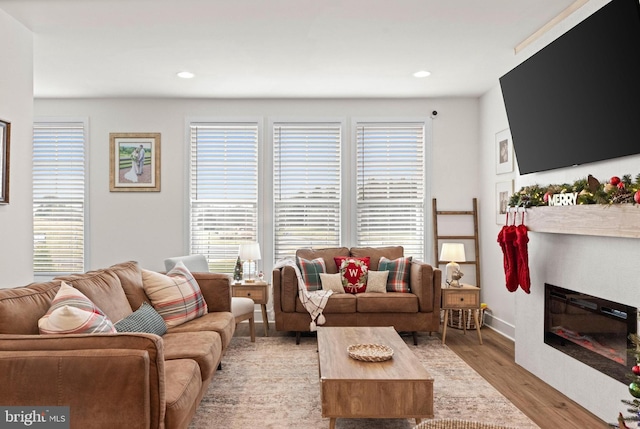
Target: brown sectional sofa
[
  {"x": 132, "y": 380},
  {"x": 416, "y": 311}
]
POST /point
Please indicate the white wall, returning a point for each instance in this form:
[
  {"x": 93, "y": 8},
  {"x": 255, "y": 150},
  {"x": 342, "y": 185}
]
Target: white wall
[
  {"x": 16, "y": 106},
  {"x": 148, "y": 227},
  {"x": 600, "y": 266}
]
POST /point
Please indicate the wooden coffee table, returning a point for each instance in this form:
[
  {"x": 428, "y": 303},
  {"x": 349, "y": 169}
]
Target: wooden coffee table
[{"x": 349, "y": 388}]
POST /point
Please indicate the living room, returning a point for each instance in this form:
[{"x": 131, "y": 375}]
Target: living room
[{"x": 148, "y": 227}]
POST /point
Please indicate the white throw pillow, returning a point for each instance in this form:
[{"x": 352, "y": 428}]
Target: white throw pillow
[
  {"x": 332, "y": 282},
  {"x": 176, "y": 296},
  {"x": 377, "y": 281},
  {"x": 72, "y": 312}
]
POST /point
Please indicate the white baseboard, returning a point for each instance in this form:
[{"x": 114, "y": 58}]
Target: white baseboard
[{"x": 500, "y": 326}]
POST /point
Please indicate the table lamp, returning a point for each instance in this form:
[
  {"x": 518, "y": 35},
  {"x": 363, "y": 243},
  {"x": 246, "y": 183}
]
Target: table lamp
[
  {"x": 251, "y": 253},
  {"x": 453, "y": 252}
]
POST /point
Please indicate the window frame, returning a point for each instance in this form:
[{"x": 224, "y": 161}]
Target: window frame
[{"x": 47, "y": 275}]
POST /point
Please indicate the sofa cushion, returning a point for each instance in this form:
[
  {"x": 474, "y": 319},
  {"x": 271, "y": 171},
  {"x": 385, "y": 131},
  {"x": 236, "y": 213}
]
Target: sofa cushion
[
  {"x": 130, "y": 276},
  {"x": 377, "y": 281},
  {"x": 337, "y": 303},
  {"x": 353, "y": 272},
  {"x": 399, "y": 271},
  {"x": 391, "y": 302},
  {"x": 104, "y": 289},
  {"x": 375, "y": 253},
  {"x": 203, "y": 347},
  {"x": 183, "y": 384},
  {"x": 327, "y": 254},
  {"x": 332, "y": 282},
  {"x": 221, "y": 322},
  {"x": 22, "y": 307},
  {"x": 144, "y": 319},
  {"x": 310, "y": 270},
  {"x": 176, "y": 295},
  {"x": 73, "y": 313}
]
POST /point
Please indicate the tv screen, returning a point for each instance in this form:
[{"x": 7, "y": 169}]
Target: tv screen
[{"x": 578, "y": 99}]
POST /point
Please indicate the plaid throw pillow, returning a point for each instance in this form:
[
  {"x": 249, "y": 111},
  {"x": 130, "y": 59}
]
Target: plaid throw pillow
[
  {"x": 399, "y": 269},
  {"x": 72, "y": 312},
  {"x": 310, "y": 271},
  {"x": 144, "y": 319},
  {"x": 176, "y": 296}
]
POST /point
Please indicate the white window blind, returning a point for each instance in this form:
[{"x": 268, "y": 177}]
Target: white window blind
[
  {"x": 391, "y": 185},
  {"x": 223, "y": 191},
  {"x": 58, "y": 197},
  {"x": 306, "y": 186}
]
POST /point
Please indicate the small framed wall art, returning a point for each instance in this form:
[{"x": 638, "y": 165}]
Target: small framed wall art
[
  {"x": 5, "y": 140},
  {"x": 504, "y": 152},
  {"x": 134, "y": 162},
  {"x": 504, "y": 190}
]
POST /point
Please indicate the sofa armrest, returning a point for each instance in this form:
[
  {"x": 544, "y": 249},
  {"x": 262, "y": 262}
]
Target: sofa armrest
[
  {"x": 425, "y": 282},
  {"x": 216, "y": 289},
  {"x": 116, "y": 379},
  {"x": 285, "y": 290}
]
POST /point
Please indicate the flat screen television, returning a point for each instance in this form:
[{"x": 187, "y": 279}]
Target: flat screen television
[{"x": 578, "y": 99}]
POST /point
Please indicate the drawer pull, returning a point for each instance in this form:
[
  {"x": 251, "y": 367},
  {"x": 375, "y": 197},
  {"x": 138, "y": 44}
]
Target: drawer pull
[
  {"x": 462, "y": 299},
  {"x": 248, "y": 293}
]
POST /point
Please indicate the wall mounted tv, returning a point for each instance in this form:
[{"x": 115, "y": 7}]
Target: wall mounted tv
[{"x": 578, "y": 99}]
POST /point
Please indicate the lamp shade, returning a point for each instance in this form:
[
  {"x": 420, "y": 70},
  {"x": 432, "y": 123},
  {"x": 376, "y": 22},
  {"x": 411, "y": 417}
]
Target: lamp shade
[
  {"x": 453, "y": 252},
  {"x": 249, "y": 252}
]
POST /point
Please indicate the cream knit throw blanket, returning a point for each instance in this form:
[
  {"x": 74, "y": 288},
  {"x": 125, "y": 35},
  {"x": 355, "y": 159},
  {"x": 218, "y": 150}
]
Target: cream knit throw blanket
[{"x": 313, "y": 301}]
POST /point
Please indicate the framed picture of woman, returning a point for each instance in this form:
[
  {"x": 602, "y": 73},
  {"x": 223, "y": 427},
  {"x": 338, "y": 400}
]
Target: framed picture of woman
[
  {"x": 504, "y": 152},
  {"x": 134, "y": 162}
]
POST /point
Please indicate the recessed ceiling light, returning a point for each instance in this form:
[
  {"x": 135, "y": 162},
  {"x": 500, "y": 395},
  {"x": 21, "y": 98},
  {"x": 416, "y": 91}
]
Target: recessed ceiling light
[
  {"x": 421, "y": 73},
  {"x": 185, "y": 75}
]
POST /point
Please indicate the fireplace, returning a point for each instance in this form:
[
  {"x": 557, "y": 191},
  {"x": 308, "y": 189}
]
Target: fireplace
[{"x": 592, "y": 330}]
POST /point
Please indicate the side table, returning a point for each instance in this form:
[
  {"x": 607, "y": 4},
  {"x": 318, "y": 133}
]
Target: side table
[
  {"x": 259, "y": 292},
  {"x": 461, "y": 298}
]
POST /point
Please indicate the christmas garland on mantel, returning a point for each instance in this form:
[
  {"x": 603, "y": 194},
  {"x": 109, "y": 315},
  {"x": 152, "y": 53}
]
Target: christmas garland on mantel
[{"x": 589, "y": 191}]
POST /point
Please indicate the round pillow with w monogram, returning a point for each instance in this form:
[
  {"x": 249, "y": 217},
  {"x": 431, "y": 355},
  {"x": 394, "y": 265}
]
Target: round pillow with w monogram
[{"x": 353, "y": 273}]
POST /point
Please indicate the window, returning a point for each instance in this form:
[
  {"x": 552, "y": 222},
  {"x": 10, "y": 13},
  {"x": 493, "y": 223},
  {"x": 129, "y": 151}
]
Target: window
[
  {"x": 306, "y": 186},
  {"x": 390, "y": 185},
  {"x": 223, "y": 191},
  {"x": 59, "y": 197}
]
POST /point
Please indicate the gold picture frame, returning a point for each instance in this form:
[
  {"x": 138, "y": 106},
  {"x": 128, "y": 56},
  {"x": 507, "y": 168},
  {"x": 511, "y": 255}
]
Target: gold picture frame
[
  {"x": 134, "y": 160},
  {"x": 5, "y": 140}
]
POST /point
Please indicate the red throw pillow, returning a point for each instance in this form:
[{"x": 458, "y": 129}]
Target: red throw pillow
[{"x": 353, "y": 272}]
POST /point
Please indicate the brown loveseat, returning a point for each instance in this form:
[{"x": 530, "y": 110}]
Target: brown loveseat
[
  {"x": 418, "y": 310},
  {"x": 121, "y": 380}
]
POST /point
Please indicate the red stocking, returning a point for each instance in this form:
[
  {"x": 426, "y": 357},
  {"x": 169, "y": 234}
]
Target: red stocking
[
  {"x": 506, "y": 238},
  {"x": 523, "y": 257}
]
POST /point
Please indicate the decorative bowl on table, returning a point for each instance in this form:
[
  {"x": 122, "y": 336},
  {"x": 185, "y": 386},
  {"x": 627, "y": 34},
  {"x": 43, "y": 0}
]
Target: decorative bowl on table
[{"x": 370, "y": 352}]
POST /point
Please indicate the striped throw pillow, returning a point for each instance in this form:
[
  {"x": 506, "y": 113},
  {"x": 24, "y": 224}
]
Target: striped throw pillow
[
  {"x": 72, "y": 312},
  {"x": 399, "y": 270},
  {"x": 144, "y": 319},
  {"x": 176, "y": 296},
  {"x": 310, "y": 271}
]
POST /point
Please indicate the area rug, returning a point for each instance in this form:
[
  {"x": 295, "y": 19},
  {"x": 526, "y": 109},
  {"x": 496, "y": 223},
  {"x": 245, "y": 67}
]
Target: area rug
[{"x": 273, "y": 383}]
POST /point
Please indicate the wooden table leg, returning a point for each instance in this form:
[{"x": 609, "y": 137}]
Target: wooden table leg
[
  {"x": 475, "y": 319},
  {"x": 265, "y": 321},
  {"x": 444, "y": 327},
  {"x": 418, "y": 421},
  {"x": 332, "y": 423}
]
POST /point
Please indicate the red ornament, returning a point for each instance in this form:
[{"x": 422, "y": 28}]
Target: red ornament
[
  {"x": 636, "y": 197},
  {"x": 546, "y": 197},
  {"x": 620, "y": 185},
  {"x": 636, "y": 369},
  {"x": 614, "y": 180}
]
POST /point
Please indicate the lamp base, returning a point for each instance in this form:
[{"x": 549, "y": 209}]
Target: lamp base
[{"x": 452, "y": 268}]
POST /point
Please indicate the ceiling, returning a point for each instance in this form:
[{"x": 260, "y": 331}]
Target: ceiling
[{"x": 275, "y": 48}]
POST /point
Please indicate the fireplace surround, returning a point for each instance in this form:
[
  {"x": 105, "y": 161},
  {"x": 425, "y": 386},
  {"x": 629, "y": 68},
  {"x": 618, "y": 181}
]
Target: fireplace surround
[{"x": 593, "y": 330}]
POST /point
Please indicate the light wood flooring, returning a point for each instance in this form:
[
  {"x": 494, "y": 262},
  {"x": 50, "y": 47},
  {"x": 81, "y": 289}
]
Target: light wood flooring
[{"x": 495, "y": 361}]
